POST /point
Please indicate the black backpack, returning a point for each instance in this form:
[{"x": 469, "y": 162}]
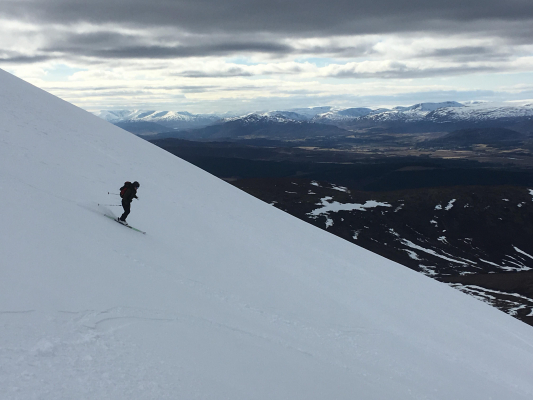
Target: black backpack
[{"x": 123, "y": 189}]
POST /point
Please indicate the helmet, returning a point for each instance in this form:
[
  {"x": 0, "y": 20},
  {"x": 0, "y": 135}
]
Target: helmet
[{"x": 136, "y": 184}]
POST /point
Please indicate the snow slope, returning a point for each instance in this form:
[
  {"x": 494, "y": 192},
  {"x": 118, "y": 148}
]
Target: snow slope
[{"x": 226, "y": 297}]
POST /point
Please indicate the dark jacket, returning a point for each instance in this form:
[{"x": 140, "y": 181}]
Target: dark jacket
[{"x": 130, "y": 194}]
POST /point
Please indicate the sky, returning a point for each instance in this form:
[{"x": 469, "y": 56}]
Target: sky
[{"x": 208, "y": 56}]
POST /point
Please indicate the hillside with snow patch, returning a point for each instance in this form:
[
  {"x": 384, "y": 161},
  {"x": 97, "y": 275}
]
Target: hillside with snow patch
[{"x": 225, "y": 297}]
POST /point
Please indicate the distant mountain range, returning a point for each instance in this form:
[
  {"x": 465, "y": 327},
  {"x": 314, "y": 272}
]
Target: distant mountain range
[
  {"x": 166, "y": 119},
  {"x": 423, "y": 117},
  {"x": 255, "y": 126}
]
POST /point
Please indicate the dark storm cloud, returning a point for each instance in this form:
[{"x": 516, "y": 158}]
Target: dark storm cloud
[
  {"x": 347, "y": 51},
  {"x": 173, "y": 29},
  {"x": 117, "y": 45},
  {"x": 118, "y": 33},
  {"x": 187, "y": 51},
  {"x": 305, "y": 17},
  {"x": 16, "y": 58}
]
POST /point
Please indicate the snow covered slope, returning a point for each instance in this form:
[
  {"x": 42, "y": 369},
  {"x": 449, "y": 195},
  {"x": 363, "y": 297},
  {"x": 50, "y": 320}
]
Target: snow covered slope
[{"x": 224, "y": 298}]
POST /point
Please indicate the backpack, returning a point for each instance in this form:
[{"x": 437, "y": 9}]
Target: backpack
[{"x": 123, "y": 189}]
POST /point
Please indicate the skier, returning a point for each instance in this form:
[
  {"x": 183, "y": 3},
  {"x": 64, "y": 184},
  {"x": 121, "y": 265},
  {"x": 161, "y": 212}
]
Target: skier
[{"x": 128, "y": 192}]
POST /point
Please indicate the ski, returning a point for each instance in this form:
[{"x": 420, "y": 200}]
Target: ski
[{"x": 127, "y": 226}]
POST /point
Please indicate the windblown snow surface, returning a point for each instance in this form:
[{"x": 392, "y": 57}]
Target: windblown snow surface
[{"x": 226, "y": 297}]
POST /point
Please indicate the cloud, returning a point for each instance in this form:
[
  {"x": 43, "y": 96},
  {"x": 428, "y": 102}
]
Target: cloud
[
  {"x": 466, "y": 53},
  {"x": 300, "y": 18},
  {"x": 341, "y": 29},
  {"x": 17, "y": 58},
  {"x": 400, "y": 70},
  {"x": 149, "y": 44},
  {"x": 237, "y": 51}
]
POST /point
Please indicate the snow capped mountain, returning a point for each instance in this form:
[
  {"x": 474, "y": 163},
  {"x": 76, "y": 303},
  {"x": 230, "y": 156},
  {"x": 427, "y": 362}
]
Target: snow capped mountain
[
  {"x": 288, "y": 115},
  {"x": 449, "y": 112},
  {"x": 334, "y": 115},
  {"x": 346, "y": 114},
  {"x": 483, "y": 112},
  {"x": 253, "y": 118},
  {"x": 452, "y": 112},
  {"x": 225, "y": 297},
  {"x": 269, "y": 117},
  {"x": 263, "y": 126},
  {"x": 115, "y": 115},
  {"x": 170, "y": 119},
  {"x": 414, "y": 113}
]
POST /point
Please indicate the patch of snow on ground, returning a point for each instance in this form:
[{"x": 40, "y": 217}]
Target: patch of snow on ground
[
  {"x": 438, "y": 207},
  {"x": 412, "y": 254},
  {"x": 434, "y": 222},
  {"x": 340, "y": 188},
  {"x": 442, "y": 239},
  {"x": 335, "y": 206},
  {"x": 408, "y": 243},
  {"x": 427, "y": 270},
  {"x": 522, "y": 252},
  {"x": 490, "y": 262},
  {"x": 398, "y": 208},
  {"x": 450, "y": 205},
  {"x": 314, "y": 183},
  {"x": 393, "y": 232},
  {"x": 518, "y": 267},
  {"x": 356, "y": 234}
]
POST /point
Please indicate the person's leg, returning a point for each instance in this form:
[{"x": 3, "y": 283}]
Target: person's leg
[{"x": 126, "y": 205}]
